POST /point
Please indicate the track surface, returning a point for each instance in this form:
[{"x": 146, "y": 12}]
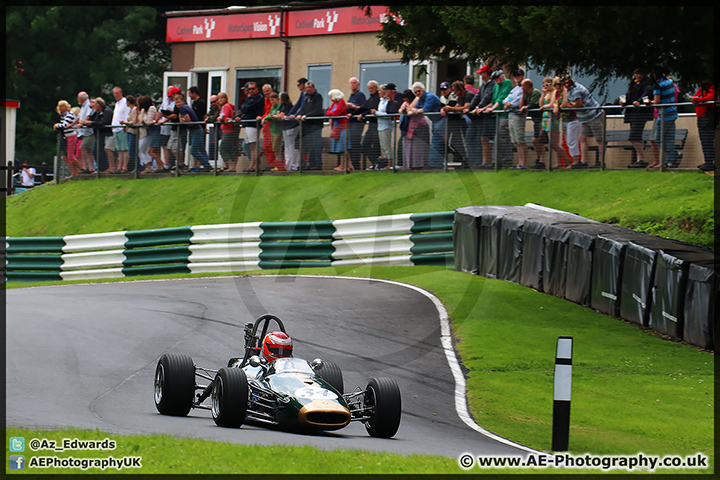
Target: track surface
[{"x": 85, "y": 355}]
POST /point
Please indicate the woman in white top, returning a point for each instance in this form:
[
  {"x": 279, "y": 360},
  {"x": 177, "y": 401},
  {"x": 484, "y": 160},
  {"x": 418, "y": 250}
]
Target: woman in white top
[{"x": 147, "y": 116}]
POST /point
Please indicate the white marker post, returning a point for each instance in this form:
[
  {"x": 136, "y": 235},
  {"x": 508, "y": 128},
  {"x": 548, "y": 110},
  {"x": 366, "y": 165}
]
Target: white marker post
[{"x": 561, "y": 396}]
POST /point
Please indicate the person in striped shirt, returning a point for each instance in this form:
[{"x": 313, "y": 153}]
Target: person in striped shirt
[{"x": 68, "y": 127}]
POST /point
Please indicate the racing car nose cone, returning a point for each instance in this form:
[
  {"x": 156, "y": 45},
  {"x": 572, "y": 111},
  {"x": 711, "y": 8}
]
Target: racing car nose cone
[{"x": 325, "y": 414}]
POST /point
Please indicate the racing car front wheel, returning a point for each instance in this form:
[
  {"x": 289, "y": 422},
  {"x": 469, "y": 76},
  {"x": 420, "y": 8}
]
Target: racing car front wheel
[
  {"x": 332, "y": 374},
  {"x": 229, "y": 397},
  {"x": 382, "y": 400},
  {"x": 174, "y": 384}
]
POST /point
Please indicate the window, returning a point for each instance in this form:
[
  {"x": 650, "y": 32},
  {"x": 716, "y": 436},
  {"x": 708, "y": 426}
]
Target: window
[
  {"x": 385, "y": 72},
  {"x": 321, "y": 76},
  {"x": 261, "y": 76}
]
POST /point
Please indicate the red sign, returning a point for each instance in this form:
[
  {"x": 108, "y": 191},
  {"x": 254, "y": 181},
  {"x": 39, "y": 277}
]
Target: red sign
[
  {"x": 223, "y": 27},
  {"x": 267, "y": 25},
  {"x": 334, "y": 20}
]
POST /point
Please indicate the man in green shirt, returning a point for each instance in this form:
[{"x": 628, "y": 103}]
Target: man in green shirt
[
  {"x": 501, "y": 90},
  {"x": 276, "y": 129}
]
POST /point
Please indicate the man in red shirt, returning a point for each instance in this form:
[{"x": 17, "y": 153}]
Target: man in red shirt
[{"x": 267, "y": 137}]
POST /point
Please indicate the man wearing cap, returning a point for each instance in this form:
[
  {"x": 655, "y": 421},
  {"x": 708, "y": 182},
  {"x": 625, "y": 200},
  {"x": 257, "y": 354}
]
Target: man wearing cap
[
  {"x": 501, "y": 90},
  {"x": 482, "y": 126},
  {"x": 253, "y": 108},
  {"x": 166, "y": 113}
]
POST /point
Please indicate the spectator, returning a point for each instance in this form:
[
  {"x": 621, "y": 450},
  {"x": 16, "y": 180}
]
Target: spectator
[
  {"x": 311, "y": 130},
  {"x": 215, "y": 134},
  {"x": 165, "y": 114},
  {"x": 292, "y": 127},
  {"x": 638, "y": 93},
  {"x": 482, "y": 126},
  {"x": 469, "y": 84},
  {"x": 430, "y": 103},
  {"x": 664, "y": 91},
  {"x": 119, "y": 140},
  {"x": 253, "y": 108},
  {"x": 458, "y": 103},
  {"x": 99, "y": 119},
  {"x": 86, "y": 136},
  {"x": 706, "y": 123},
  {"x": 551, "y": 110},
  {"x": 230, "y": 143},
  {"x": 292, "y": 154},
  {"x": 501, "y": 90},
  {"x": 66, "y": 126},
  {"x": 529, "y": 105},
  {"x": 437, "y": 147},
  {"x": 274, "y": 162},
  {"x": 371, "y": 142},
  {"x": 131, "y": 132},
  {"x": 27, "y": 174},
  {"x": 338, "y": 133},
  {"x": 356, "y": 100},
  {"x": 416, "y": 139},
  {"x": 591, "y": 121},
  {"x": 516, "y": 118},
  {"x": 273, "y": 118},
  {"x": 198, "y": 103},
  {"x": 387, "y": 105},
  {"x": 78, "y": 154},
  {"x": 147, "y": 113},
  {"x": 196, "y": 132},
  {"x": 570, "y": 125}
]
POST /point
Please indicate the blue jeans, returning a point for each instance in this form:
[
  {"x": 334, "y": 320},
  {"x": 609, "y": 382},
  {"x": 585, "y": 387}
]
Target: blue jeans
[
  {"x": 474, "y": 145},
  {"x": 668, "y": 132},
  {"x": 437, "y": 146},
  {"x": 197, "y": 147}
]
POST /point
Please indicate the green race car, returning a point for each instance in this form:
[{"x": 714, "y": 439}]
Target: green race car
[{"x": 287, "y": 392}]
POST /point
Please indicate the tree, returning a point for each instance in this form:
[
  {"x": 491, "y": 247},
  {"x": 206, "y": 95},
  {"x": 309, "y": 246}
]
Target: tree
[
  {"x": 54, "y": 52},
  {"x": 601, "y": 41}
]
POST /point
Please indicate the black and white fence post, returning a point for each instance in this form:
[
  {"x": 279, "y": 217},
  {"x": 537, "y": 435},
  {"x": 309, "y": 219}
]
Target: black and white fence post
[{"x": 561, "y": 395}]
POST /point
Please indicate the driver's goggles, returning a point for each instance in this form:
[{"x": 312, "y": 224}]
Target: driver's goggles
[{"x": 280, "y": 351}]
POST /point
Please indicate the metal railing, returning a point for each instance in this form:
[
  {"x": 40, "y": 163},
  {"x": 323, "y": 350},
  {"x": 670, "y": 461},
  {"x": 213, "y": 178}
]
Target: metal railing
[{"x": 351, "y": 157}]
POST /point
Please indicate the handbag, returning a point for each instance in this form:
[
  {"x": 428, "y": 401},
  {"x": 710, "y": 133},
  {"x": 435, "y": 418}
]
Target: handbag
[{"x": 335, "y": 132}]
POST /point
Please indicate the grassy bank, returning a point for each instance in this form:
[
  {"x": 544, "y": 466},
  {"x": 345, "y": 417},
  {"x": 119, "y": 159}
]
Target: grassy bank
[{"x": 675, "y": 205}]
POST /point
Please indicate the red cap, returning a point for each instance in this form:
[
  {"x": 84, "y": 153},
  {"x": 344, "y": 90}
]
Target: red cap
[
  {"x": 174, "y": 91},
  {"x": 485, "y": 69}
]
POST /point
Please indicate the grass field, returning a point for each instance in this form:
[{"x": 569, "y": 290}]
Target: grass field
[{"x": 632, "y": 391}]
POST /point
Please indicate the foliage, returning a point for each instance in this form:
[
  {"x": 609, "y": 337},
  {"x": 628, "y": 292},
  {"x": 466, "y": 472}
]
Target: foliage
[
  {"x": 54, "y": 52},
  {"x": 600, "y": 41}
]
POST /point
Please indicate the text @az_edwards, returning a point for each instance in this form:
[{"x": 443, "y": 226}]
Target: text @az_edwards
[{"x": 639, "y": 461}]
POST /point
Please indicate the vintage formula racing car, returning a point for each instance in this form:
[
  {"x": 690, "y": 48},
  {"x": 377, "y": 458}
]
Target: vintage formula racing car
[{"x": 286, "y": 392}]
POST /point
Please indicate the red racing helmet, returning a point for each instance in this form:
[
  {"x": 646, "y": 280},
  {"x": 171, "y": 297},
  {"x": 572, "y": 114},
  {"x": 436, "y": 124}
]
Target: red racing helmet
[{"x": 277, "y": 345}]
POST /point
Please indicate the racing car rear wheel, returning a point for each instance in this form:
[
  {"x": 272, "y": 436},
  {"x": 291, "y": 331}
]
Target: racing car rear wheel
[
  {"x": 174, "y": 384},
  {"x": 332, "y": 374},
  {"x": 382, "y": 399},
  {"x": 229, "y": 397}
]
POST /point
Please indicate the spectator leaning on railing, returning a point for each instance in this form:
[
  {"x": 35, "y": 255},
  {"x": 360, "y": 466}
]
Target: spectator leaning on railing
[
  {"x": 706, "y": 122},
  {"x": 67, "y": 123},
  {"x": 664, "y": 91}
]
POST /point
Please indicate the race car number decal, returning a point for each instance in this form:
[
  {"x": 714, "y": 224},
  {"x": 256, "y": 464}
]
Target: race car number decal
[{"x": 314, "y": 392}]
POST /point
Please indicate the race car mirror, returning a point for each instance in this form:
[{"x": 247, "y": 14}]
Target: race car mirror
[
  {"x": 317, "y": 364},
  {"x": 255, "y": 361}
]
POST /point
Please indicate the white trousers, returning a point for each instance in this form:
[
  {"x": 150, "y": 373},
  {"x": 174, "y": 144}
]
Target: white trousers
[
  {"x": 292, "y": 154},
  {"x": 572, "y": 133}
]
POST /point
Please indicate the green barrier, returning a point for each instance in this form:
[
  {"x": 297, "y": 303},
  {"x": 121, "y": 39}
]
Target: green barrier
[
  {"x": 152, "y": 256},
  {"x": 33, "y": 276},
  {"x": 435, "y": 221},
  {"x": 309, "y": 230},
  {"x": 321, "y": 250},
  {"x": 34, "y": 262},
  {"x": 158, "y": 237},
  {"x": 35, "y": 244}
]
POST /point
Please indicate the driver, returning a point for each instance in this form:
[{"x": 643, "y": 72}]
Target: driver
[{"x": 277, "y": 345}]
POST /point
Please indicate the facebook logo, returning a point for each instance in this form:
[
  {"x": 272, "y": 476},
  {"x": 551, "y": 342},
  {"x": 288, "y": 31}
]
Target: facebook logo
[
  {"x": 17, "y": 444},
  {"x": 17, "y": 462}
]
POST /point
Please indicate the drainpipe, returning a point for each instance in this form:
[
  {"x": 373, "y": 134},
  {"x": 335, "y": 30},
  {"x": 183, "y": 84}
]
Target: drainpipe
[{"x": 284, "y": 39}]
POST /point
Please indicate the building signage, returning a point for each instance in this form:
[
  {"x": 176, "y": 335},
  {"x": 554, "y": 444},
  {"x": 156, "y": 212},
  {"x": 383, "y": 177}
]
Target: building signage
[{"x": 268, "y": 25}]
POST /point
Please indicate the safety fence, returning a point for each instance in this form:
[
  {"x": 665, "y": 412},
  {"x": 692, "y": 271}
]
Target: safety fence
[
  {"x": 405, "y": 239},
  {"x": 665, "y": 285},
  {"x": 447, "y": 142}
]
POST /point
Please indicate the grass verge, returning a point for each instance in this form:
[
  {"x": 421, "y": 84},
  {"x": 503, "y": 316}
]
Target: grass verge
[{"x": 632, "y": 391}]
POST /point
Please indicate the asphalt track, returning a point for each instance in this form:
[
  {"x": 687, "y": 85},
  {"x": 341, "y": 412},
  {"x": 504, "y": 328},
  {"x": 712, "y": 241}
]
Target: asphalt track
[{"x": 84, "y": 355}]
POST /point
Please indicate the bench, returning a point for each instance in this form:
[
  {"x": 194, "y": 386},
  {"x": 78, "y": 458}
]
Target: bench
[{"x": 621, "y": 139}]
